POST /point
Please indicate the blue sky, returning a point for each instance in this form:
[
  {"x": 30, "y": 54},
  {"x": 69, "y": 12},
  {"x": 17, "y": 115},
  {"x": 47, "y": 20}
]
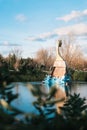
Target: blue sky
[{"x": 29, "y": 25}]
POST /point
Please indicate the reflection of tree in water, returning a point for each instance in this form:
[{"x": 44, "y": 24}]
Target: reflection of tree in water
[
  {"x": 72, "y": 116},
  {"x": 45, "y": 102}
]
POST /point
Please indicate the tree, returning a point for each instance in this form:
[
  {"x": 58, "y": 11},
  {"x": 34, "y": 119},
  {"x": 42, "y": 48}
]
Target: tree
[
  {"x": 14, "y": 59},
  {"x": 45, "y": 57},
  {"x": 71, "y": 52},
  {"x": 17, "y": 52}
]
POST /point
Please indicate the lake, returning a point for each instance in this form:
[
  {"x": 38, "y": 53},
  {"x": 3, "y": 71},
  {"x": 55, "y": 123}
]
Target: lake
[
  {"x": 80, "y": 87},
  {"x": 25, "y": 98}
]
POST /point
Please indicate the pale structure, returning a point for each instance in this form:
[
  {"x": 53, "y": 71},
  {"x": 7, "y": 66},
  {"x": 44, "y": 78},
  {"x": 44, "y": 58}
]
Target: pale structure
[
  {"x": 59, "y": 64},
  {"x": 59, "y": 71}
]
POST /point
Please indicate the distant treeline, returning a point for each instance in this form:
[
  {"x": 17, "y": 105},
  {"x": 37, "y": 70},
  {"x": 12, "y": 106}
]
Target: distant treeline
[
  {"x": 38, "y": 75},
  {"x": 80, "y": 76},
  {"x": 13, "y": 69}
]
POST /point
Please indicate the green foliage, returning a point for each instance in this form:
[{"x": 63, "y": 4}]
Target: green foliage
[
  {"x": 74, "y": 106},
  {"x": 74, "y": 110},
  {"x": 73, "y": 116},
  {"x": 79, "y": 76},
  {"x": 26, "y": 77}
]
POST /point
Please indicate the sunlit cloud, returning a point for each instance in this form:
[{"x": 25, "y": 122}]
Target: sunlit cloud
[
  {"x": 77, "y": 29},
  {"x": 21, "y": 17},
  {"x": 73, "y": 15},
  {"x": 42, "y": 37}
]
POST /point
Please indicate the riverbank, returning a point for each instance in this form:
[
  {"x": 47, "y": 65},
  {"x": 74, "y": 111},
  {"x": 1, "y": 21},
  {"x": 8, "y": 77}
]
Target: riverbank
[
  {"x": 35, "y": 74},
  {"x": 39, "y": 75}
]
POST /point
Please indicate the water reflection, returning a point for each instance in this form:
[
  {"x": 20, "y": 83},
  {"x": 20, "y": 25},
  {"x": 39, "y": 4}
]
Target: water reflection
[
  {"x": 80, "y": 88},
  {"x": 25, "y": 98}
]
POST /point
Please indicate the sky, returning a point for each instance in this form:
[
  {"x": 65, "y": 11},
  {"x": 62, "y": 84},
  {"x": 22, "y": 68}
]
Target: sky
[{"x": 29, "y": 25}]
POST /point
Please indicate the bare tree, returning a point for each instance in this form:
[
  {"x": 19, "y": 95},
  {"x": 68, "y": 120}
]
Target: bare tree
[
  {"x": 45, "y": 56},
  {"x": 17, "y": 52},
  {"x": 71, "y": 52},
  {"x": 14, "y": 58}
]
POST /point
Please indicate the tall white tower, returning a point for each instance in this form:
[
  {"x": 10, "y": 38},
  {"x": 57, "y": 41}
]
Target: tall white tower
[{"x": 59, "y": 64}]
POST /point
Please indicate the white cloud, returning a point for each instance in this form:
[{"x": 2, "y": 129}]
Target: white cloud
[
  {"x": 21, "y": 18},
  {"x": 77, "y": 29},
  {"x": 73, "y": 15},
  {"x": 42, "y": 37},
  {"x": 8, "y": 44}
]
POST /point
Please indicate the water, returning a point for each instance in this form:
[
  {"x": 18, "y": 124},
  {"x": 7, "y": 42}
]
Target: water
[
  {"x": 25, "y": 98},
  {"x": 80, "y": 88}
]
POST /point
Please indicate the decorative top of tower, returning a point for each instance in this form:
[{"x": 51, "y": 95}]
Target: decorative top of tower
[
  {"x": 58, "y": 45},
  {"x": 59, "y": 62}
]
